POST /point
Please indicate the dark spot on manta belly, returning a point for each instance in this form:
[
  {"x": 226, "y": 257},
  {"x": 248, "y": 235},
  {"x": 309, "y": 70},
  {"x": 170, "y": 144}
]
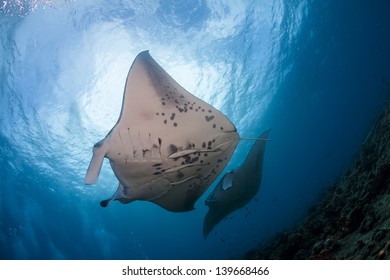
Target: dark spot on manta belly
[
  {"x": 179, "y": 175},
  {"x": 144, "y": 151},
  {"x": 209, "y": 118},
  {"x": 172, "y": 149},
  {"x": 173, "y": 116},
  {"x": 187, "y": 159},
  {"x": 156, "y": 173}
]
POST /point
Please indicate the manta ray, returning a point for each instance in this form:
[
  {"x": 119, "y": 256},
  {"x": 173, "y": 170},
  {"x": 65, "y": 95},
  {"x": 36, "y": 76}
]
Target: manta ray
[
  {"x": 237, "y": 187},
  {"x": 167, "y": 146}
]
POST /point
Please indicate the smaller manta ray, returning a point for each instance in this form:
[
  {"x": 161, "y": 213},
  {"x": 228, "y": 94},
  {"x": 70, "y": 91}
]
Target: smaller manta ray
[
  {"x": 236, "y": 188},
  {"x": 168, "y": 146}
]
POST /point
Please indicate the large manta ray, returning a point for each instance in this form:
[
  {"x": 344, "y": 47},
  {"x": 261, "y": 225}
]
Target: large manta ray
[
  {"x": 168, "y": 146},
  {"x": 237, "y": 187}
]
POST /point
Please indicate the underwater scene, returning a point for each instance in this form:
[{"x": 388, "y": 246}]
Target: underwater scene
[{"x": 206, "y": 129}]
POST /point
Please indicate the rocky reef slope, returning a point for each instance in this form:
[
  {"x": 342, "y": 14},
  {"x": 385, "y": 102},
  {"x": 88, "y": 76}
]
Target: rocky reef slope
[{"x": 352, "y": 221}]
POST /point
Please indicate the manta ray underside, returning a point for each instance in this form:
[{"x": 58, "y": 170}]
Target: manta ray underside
[{"x": 167, "y": 146}]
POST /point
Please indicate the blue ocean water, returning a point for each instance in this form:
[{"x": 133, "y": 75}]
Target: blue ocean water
[{"x": 315, "y": 72}]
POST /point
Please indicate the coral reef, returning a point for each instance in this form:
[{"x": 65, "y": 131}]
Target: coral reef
[{"x": 352, "y": 220}]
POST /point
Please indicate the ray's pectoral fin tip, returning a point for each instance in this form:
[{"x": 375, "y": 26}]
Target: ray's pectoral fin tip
[
  {"x": 95, "y": 165},
  {"x": 105, "y": 203}
]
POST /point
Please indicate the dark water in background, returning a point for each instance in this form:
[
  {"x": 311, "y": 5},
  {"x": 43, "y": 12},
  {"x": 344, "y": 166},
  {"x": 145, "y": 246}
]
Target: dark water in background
[{"x": 315, "y": 72}]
